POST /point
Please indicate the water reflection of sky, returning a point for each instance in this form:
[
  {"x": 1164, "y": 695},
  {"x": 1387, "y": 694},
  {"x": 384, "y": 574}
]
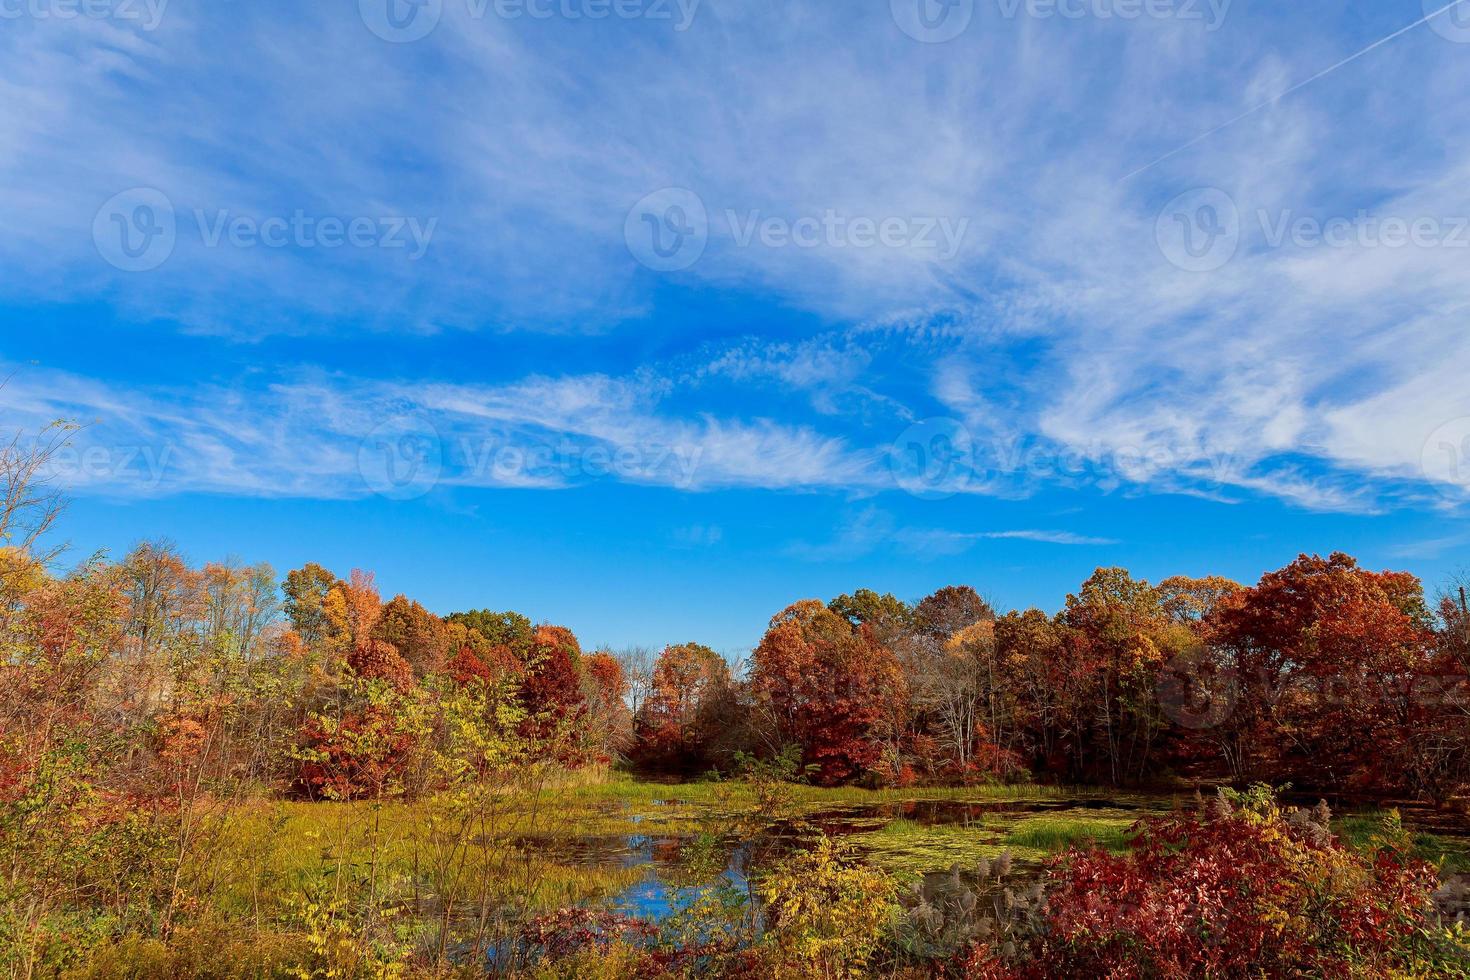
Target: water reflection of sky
[
  {"x": 666, "y": 887},
  {"x": 659, "y": 895}
]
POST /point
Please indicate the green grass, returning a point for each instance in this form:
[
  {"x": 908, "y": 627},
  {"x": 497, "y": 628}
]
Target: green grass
[
  {"x": 626, "y": 805},
  {"x": 273, "y": 854},
  {"x": 1050, "y": 835},
  {"x": 622, "y": 786},
  {"x": 1451, "y": 853},
  {"x": 901, "y": 829},
  {"x": 904, "y": 845}
]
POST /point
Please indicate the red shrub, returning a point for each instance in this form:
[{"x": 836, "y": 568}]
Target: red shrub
[
  {"x": 1247, "y": 893},
  {"x": 356, "y": 757},
  {"x": 466, "y": 666}
]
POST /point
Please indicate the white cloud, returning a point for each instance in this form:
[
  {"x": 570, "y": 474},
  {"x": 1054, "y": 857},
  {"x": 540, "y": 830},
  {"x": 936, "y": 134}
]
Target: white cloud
[
  {"x": 325, "y": 436},
  {"x": 872, "y": 529},
  {"x": 1050, "y": 537},
  {"x": 1315, "y": 375}
]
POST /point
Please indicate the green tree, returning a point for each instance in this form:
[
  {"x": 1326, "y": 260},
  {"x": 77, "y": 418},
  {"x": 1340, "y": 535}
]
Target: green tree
[
  {"x": 886, "y": 615},
  {"x": 510, "y": 630},
  {"x": 306, "y": 589}
]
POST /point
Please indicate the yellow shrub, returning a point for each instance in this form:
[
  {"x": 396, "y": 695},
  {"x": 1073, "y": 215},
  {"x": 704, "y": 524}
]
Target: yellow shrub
[{"x": 828, "y": 912}]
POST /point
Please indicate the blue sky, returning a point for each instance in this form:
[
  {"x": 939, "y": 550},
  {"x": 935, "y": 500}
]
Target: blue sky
[{"x": 649, "y": 317}]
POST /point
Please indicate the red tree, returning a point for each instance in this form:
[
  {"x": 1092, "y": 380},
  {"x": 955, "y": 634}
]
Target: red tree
[
  {"x": 354, "y": 757},
  {"x": 606, "y": 674},
  {"x": 551, "y": 691},
  {"x": 466, "y": 666},
  {"x": 828, "y": 686},
  {"x": 1328, "y": 659}
]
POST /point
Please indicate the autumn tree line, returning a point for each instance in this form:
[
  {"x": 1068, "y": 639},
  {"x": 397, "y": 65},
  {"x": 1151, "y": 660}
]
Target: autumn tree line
[
  {"x": 150, "y": 675},
  {"x": 1322, "y": 674}
]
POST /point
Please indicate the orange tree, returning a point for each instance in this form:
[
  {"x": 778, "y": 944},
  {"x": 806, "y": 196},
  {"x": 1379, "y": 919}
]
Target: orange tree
[
  {"x": 669, "y": 724},
  {"x": 1118, "y": 635}
]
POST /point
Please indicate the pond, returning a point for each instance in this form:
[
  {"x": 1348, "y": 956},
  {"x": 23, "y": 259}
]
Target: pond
[
  {"x": 932, "y": 845},
  {"x": 927, "y": 841}
]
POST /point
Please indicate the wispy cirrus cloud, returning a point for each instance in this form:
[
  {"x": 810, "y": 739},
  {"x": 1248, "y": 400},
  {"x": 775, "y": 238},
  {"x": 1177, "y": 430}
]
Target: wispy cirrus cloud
[
  {"x": 872, "y": 529},
  {"x": 1049, "y": 537},
  {"x": 1311, "y": 372},
  {"x": 325, "y": 436}
]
